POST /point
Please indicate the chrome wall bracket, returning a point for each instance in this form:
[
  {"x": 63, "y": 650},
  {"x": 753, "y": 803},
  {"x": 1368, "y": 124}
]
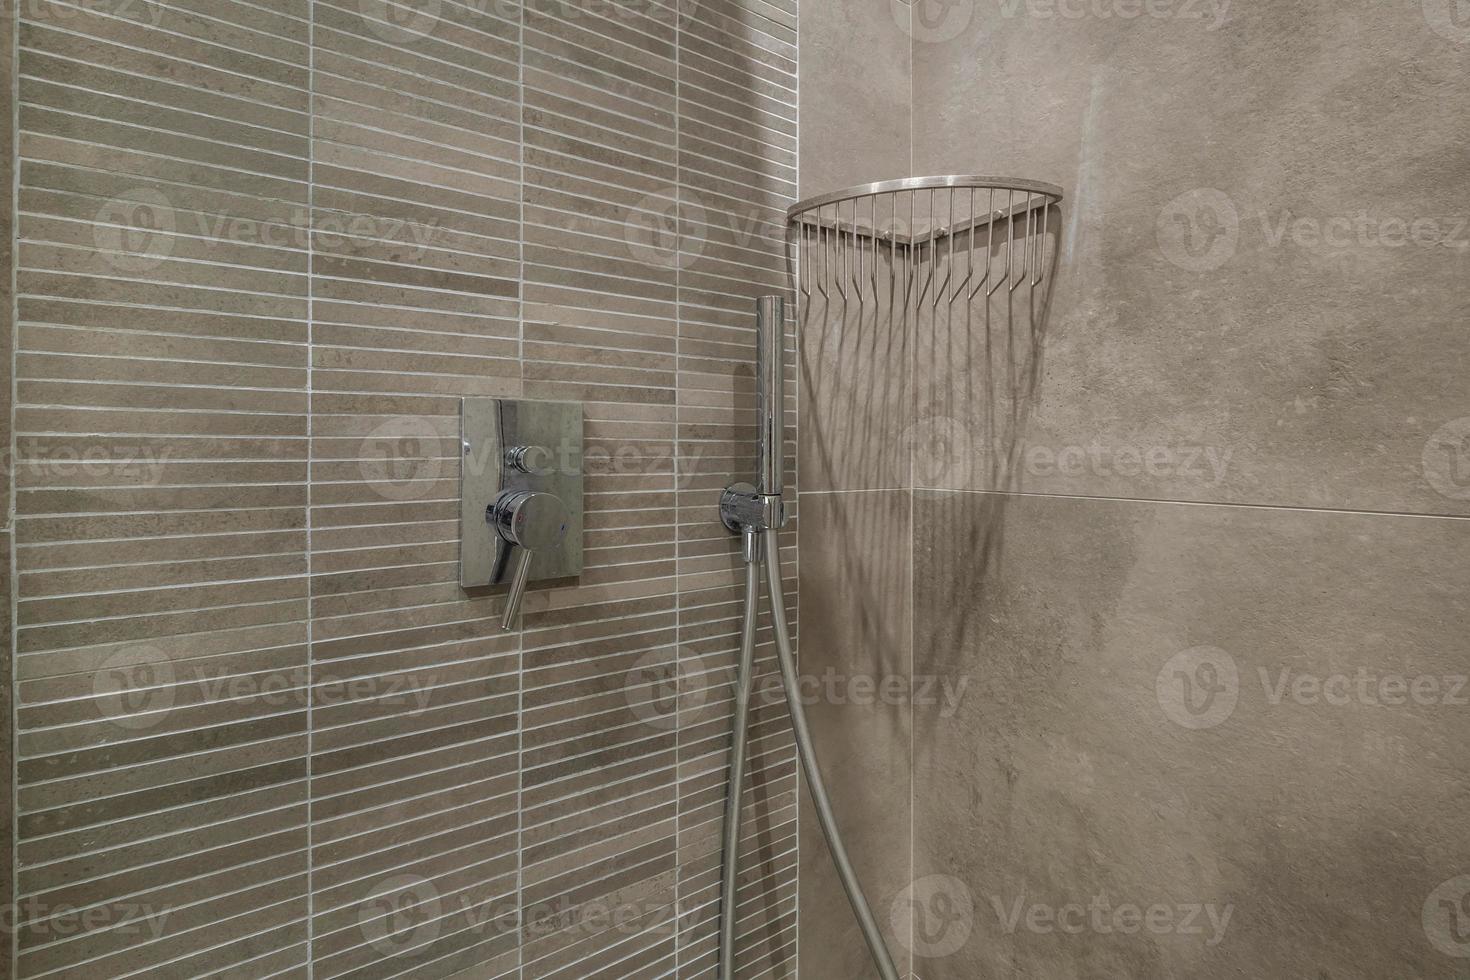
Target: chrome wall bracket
[
  {"x": 743, "y": 509},
  {"x": 520, "y": 494}
]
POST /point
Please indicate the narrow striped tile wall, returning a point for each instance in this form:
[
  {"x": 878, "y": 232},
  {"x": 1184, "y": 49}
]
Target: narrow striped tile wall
[
  {"x": 161, "y": 489},
  {"x": 598, "y": 799},
  {"x": 264, "y": 247},
  {"x": 737, "y": 175}
]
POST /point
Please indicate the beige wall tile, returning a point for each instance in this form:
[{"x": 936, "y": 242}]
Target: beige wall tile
[
  {"x": 857, "y": 653},
  {"x": 1243, "y": 709},
  {"x": 855, "y": 94},
  {"x": 1239, "y": 275}
]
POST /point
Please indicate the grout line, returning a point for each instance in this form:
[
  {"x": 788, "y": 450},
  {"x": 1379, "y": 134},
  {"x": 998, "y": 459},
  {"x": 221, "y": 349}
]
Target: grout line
[
  {"x": 12, "y": 694},
  {"x": 520, "y": 639},
  {"x": 678, "y": 389},
  {"x": 1242, "y": 505},
  {"x": 792, "y": 269},
  {"x": 311, "y": 140}
]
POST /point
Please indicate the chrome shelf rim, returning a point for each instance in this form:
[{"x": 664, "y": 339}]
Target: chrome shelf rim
[{"x": 919, "y": 184}]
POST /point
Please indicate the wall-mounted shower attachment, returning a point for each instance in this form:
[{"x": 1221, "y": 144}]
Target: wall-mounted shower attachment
[
  {"x": 759, "y": 507},
  {"x": 756, "y": 512},
  {"x": 520, "y": 495},
  {"x": 976, "y": 253}
]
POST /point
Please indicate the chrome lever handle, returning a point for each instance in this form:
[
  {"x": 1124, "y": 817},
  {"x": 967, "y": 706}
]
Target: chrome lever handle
[
  {"x": 517, "y": 592},
  {"x": 531, "y": 520}
]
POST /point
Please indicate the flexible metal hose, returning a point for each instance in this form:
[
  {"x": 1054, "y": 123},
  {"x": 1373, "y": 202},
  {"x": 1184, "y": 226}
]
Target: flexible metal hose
[
  {"x": 744, "y": 680},
  {"x": 771, "y": 559}
]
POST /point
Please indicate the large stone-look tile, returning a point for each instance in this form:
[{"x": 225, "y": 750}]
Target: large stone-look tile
[
  {"x": 1323, "y": 822},
  {"x": 854, "y": 361},
  {"x": 855, "y": 77},
  {"x": 855, "y": 591},
  {"x": 1188, "y": 318}
]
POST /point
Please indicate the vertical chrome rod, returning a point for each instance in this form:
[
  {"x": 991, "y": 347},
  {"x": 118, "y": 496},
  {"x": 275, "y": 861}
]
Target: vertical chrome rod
[{"x": 770, "y": 352}]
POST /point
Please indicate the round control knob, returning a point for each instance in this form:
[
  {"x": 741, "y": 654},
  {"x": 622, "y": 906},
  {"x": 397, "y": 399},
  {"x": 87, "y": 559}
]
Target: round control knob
[{"x": 530, "y": 519}]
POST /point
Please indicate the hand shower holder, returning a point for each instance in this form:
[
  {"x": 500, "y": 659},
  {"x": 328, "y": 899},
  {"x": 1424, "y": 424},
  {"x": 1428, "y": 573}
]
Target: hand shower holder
[{"x": 743, "y": 509}]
